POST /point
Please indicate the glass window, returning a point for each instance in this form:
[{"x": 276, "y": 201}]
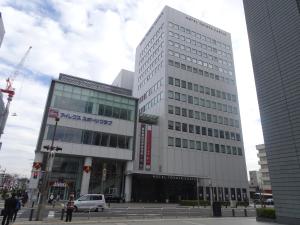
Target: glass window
[
  {"x": 215, "y": 119},
  {"x": 170, "y": 94},
  {"x": 101, "y": 110},
  {"x": 170, "y": 125},
  {"x": 184, "y": 112},
  {"x": 203, "y": 116},
  {"x": 178, "y": 142},
  {"x": 204, "y": 146},
  {"x": 217, "y": 148},
  {"x": 227, "y": 135},
  {"x": 170, "y": 141},
  {"x": 113, "y": 141},
  {"x": 207, "y": 103},
  {"x": 122, "y": 141},
  {"x": 86, "y": 137},
  {"x": 183, "y": 84},
  {"x": 228, "y": 149},
  {"x": 190, "y": 86},
  {"x": 184, "y": 127},
  {"x": 201, "y": 89},
  {"x": 216, "y": 133},
  {"x": 96, "y": 138},
  {"x": 190, "y": 99},
  {"x": 197, "y": 115},
  {"x": 209, "y": 132},
  {"x": 177, "y": 96},
  {"x": 116, "y": 112},
  {"x": 196, "y": 100},
  {"x": 183, "y": 97},
  {"x": 191, "y": 113},
  {"x": 178, "y": 126},
  {"x": 240, "y": 151},
  {"x": 198, "y": 145},
  {"x": 223, "y": 149},
  {"x": 123, "y": 114},
  {"x": 196, "y": 87},
  {"x": 208, "y": 117},
  {"x": 207, "y": 90},
  {"x": 191, "y": 128},
  {"x": 204, "y": 131},
  {"x": 198, "y": 129},
  {"x": 232, "y": 136},
  {"x": 177, "y": 110},
  {"x": 238, "y": 137},
  {"x": 184, "y": 143},
  {"x": 234, "y": 151},
  {"x": 170, "y": 109},
  {"x": 222, "y": 134},
  {"x": 211, "y": 147},
  {"x": 104, "y": 139},
  {"x": 171, "y": 80},
  {"x": 177, "y": 82},
  {"x": 192, "y": 144}
]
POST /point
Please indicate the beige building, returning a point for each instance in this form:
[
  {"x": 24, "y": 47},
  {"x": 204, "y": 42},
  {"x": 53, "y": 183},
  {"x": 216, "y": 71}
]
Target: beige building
[{"x": 264, "y": 169}]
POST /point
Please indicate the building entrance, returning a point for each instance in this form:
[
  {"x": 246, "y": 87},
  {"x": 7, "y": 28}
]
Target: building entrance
[{"x": 161, "y": 188}]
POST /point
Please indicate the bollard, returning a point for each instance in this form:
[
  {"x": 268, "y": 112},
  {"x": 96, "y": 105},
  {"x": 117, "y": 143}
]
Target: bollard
[
  {"x": 31, "y": 212},
  {"x": 62, "y": 214},
  {"x": 161, "y": 212},
  {"x": 233, "y": 213},
  {"x": 245, "y": 212}
]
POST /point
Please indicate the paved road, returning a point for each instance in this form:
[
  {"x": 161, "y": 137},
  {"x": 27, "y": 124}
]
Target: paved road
[{"x": 182, "y": 221}]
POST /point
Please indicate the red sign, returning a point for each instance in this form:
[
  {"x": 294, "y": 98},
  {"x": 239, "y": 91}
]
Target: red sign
[
  {"x": 53, "y": 113},
  {"x": 148, "y": 148},
  {"x": 142, "y": 146}
]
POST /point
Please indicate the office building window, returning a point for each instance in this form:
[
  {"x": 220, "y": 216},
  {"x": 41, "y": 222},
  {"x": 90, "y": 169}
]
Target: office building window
[
  {"x": 217, "y": 148},
  {"x": 192, "y": 144},
  {"x": 228, "y": 149},
  {"x": 203, "y": 130},
  {"x": 170, "y": 125},
  {"x": 177, "y": 110},
  {"x": 197, "y": 115},
  {"x": 178, "y": 142},
  {"x": 234, "y": 151},
  {"x": 209, "y": 132},
  {"x": 204, "y": 146},
  {"x": 216, "y": 133},
  {"x": 170, "y": 94},
  {"x": 191, "y": 113},
  {"x": 183, "y": 84},
  {"x": 183, "y": 97},
  {"x": 223, "y": 149},
  {"x": 184, "y": 112},
  {"x": 211, "y": 147},
  {"x": 178, "y": 126},
  {"x": 171, "y": 80},
  {"x": 198, "y": 145},
  {"x": 184, "y": 127},
  {"x": 170, "y": 109},
  {"x": 240, "y": 151},
  {"x": 191, "y": 128},
  {"x": 170, "y": 141},
  {"x": 197, "y": 128},
  {"x": 177, "y": 96},
  {"x": 177, "y": 82},
  {"x": 184, "y": 143}
]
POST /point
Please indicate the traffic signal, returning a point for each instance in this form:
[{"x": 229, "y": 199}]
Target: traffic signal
[{"x": 35, "y": 174}]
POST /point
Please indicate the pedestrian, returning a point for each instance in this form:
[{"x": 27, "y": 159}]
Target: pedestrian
[
  {"x": 70, "y": 208},
  {"x": 9, "y": 208},
  {"x": 18, "y": 207},
  {"x": 51, "y": 198},
  {"x": 24, "y": 199}
]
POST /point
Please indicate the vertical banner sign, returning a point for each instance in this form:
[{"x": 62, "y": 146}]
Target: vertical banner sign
[
  {"x": 142, "y": 146},
  {"x": 148, "y": 149}
]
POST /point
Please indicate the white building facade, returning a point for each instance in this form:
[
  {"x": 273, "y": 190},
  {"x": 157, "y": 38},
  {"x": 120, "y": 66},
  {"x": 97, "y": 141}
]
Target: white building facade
[
  {"x": 184, "y": 75},
  {"x": 264, "y": 169},
  {"x": 96, "y": 132}
]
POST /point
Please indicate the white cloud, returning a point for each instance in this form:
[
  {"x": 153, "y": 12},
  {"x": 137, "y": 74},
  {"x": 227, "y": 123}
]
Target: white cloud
[{"x": 95, "y": 39}]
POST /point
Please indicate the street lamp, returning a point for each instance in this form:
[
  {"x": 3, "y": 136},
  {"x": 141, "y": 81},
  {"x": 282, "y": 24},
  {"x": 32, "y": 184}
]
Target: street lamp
[{"x": 45, "y": 177}]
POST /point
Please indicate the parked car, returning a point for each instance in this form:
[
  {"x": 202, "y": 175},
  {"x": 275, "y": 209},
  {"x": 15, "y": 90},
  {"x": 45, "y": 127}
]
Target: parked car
[
  {"x": 270, "y": 201},
  {"x": 92, "y": 202}
]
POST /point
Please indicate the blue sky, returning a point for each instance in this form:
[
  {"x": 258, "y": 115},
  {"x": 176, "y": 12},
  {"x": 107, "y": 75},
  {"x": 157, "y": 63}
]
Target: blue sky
[{"x": 95, "y": 40}]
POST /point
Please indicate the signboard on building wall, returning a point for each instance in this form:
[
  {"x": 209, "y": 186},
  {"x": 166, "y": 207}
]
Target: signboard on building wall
[
  {"x": 148, "y": 148},
  {"x": 142, "y": 146}
]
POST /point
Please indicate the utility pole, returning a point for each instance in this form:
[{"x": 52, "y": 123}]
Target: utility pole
[{"x": 45, "y": 177}]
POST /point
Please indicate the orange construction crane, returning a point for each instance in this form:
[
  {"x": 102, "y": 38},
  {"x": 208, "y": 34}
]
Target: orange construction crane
[{"x": 10, "y": 91}]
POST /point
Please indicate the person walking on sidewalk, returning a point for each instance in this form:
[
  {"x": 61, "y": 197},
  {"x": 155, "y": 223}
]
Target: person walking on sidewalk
[
  {"x": 18, "y": 207},
  {"x": 9, "y": 208},
  {"x": 70, "y": 208}
]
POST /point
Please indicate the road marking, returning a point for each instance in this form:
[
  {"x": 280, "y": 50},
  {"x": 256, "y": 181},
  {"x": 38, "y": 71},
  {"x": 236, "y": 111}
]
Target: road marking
[
  {"x": 194, "y": 223},
  {"x": 51, "y": 214},
  {"x": 121, "y": 223}
]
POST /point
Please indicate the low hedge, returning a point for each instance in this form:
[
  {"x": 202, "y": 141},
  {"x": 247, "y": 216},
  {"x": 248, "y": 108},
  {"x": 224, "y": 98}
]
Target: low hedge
[
  {"x": 194, "y": 203},
  {"x": 245, "y": 204},
  {"x": 266, "y": 213}
]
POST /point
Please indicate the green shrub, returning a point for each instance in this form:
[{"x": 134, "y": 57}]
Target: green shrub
[
  {"x": 245, "y": 203},
  {"x": 266, "y": 213},
  {"x": 194, "y": 203}
]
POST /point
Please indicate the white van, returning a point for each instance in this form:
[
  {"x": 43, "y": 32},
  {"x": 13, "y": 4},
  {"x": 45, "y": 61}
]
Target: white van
[{"x": 92, "y": 202}]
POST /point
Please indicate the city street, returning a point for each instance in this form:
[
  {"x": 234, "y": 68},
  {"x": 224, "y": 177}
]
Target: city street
[{"x": 182, "y": 221}]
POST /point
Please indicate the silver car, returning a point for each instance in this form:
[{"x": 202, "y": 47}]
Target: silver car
[{"x": 91, "y": 202}]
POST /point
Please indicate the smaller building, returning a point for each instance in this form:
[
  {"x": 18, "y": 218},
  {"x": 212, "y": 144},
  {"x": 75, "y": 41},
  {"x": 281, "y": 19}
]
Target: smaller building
[
  {"x": 255, "y": 183},
  {"x": 264, "y": 169},
  {"x": 124, "y": 79}
]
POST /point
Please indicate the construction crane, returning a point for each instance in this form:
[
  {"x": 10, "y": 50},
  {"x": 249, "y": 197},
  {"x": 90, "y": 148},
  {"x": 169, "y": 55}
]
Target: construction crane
[{"x": 10, "y": 91}]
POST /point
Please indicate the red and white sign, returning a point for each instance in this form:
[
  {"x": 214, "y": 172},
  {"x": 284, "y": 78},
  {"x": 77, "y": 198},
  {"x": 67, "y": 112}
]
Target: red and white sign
[
  {"x": 148, "y": 147},
  {"x": 142, "y": 146},
  {"x": 53, "y": 113}
]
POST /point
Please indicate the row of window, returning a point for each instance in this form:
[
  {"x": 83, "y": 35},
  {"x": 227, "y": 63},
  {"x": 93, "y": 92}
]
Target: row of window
[
  {"x": 106, "y": 109},
  {"x": 200, "y": 53},
  {"x": 203, "y": 116},
  {"x": 204, "y": 131},
  {"x": 151, "y": 90},
  {"x": 151, "y": 57},
  {"x": 204, "y": 146},
  {"x": 200, "y": 72},
  {"x": 199, "y": 36},
  {"x": 201, "y": 89},
  {"x": 78, "y": 136},
  {"x": 152, "y": 42},
  {"x": 151, "y": 74},
  {"x": 153, "y": 63},
  {"x": 202, "y": 102},
  {"x": 197, "y": 43},
  {"x": 152, "y": 103},
  {"x": 200, "y": 62}
]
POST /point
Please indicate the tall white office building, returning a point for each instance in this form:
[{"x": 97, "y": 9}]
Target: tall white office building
[{"x": 189, "y": 133}]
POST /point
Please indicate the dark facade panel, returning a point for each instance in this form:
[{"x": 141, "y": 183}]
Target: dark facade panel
[{"x": 273, "y": 29}]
